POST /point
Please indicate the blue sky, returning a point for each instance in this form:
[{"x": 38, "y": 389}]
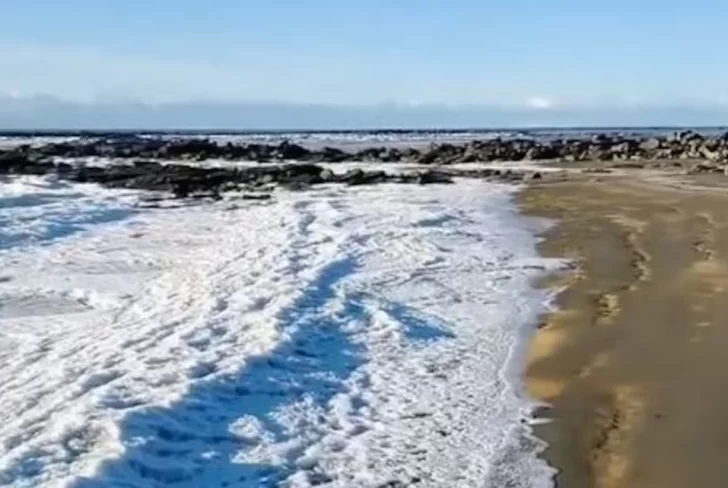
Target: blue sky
[{"x": 556, "y": 55}]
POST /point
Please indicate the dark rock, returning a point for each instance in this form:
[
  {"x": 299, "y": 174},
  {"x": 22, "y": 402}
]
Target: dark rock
[
  {"x": 680, "y": 146},
  {"x": 256, "y": 196},
  {"x": 410, "y": 154},
  {"x": 430, "y": 177},
  {"x": 181, "y": 189},
  {"x": 541, "y": 153},
  {"x": 304, "y": 169},
  {"x": 148, "y": 165},
  {"x": 359, "y": 177},
  {"x": 64, "y": 168},
  {"x": 286, "y": 150},
  {"x": 629, "y": 165},
  {"x": 601, "y": 140},
  {"x": 705, "y": 168},
  {"x": 146, "y": 171},
  {"x": 441, "y": 154},
  {"x": 14, "y": 163},
  {"x": 353, "y": 175},
  {"x": 296, "y": 185},
  {"x": 328, "y": 155},
  {"x": 513, "y": 176},
  {"x": 688, "y": 136}
]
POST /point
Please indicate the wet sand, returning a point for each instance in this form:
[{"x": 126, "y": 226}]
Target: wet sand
[{"x": 635, "y": 360}]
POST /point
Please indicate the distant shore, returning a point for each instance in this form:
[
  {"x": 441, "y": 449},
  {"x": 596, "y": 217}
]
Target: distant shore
[{"x": 633, "y": 361}]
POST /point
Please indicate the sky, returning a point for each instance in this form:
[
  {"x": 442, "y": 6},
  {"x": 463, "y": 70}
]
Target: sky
[{"x": 406, "y": 62}]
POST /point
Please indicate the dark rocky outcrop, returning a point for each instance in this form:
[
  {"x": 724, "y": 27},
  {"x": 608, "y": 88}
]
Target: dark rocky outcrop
[
  {"x": 679, "y": 146},
  {"x": 189, "y": 181},
  {"x": 164, "y": 164}
]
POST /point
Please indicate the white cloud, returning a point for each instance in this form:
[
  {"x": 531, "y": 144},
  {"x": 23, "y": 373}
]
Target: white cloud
[{"x": 540, "y": 103}]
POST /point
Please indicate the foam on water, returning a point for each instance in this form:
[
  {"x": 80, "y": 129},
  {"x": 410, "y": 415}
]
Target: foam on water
[
  {"x": 40, "y": 210},
  {"x": 9, "y": 142},
  {"x": 351, "y": 139},
  {"x": 342, "y": 337}
]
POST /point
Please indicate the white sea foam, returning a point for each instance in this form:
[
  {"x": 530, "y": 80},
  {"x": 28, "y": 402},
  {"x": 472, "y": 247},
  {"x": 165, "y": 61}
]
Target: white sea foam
[
  {"x": 343, "y": 337},
  {"x": 39, "y": 210},
  {"x": 314, "y": 140},
  {"x": 350, "y": 140},
  {"x": 9, "y": 142}
]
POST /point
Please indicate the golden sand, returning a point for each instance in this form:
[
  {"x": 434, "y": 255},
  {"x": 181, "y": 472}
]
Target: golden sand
[{"x": 635, "y": 361}]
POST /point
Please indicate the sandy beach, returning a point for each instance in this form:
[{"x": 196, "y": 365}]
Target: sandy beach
[{"x": 634, "y": 360}]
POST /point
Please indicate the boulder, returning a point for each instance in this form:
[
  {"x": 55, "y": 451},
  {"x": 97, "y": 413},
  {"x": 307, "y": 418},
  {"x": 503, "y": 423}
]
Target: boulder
[
  {"x": 650, "y": 144},
  {"x": 293, "y": 152},
  {"x": 710, "y": 155},
  {"x": 359, "y": 177},
  {"x": 689, "y": 136},
  {"x": 11, "y": 163},
  {"x": 295, "y": 170},
  {"x": 441, "y": 154},
  {"x": 430, "y": 177},
  {"x": 705, "y": 168}
]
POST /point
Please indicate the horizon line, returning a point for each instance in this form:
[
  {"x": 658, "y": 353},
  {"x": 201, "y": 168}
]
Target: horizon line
[{"x": 80, "y": 131}]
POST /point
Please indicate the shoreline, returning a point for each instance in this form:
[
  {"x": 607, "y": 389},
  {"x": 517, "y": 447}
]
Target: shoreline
[
  {"x": 635, "y": 333},
  {"x": 631, "y": 358},
  {"x": 399, "y": 313}
]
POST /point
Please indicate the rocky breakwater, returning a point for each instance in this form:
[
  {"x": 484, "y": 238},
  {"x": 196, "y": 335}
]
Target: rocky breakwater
[
  {"x": 686, "y": 147},
  {"x": 681, "y": 146},
  {"x": 185, "y": 180}
]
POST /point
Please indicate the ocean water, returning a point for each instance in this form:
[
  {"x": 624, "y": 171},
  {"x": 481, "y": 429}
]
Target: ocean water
[
  {"x": 352, "y": 139},
  {"x": 341, "y": 337}
]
